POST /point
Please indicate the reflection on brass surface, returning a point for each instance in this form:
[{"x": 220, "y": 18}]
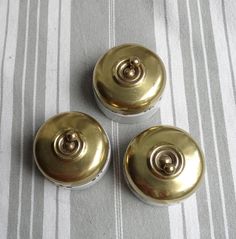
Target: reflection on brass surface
[
  {"x": 129, "y": 79},
  {"x": 163, "y": 165},
  {"x": 71, "y": 149}
]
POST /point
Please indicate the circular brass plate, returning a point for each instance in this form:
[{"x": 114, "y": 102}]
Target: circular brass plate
[
  {"x": 78, "y": 162},
  {"x": 163, "y": 165},
  {"x": 129, "y": 79}
]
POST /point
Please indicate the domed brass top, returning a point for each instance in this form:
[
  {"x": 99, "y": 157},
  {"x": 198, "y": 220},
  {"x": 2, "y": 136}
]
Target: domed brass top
[
  {"x": 129, "y": 79},
  {"x": 163, "y": 165},
  {"x": 71, "y": 149}
]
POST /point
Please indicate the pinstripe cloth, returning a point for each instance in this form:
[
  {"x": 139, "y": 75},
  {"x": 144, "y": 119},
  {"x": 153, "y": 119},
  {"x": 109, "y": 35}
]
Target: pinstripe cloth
[{"x": 47, "y": 53}]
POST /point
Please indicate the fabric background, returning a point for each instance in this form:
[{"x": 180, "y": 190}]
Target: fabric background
[{"x": 48, "y": 49}]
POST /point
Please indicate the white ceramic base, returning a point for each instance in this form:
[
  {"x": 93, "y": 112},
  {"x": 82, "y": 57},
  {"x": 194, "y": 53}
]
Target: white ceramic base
[{"x": 127, "y": 119}]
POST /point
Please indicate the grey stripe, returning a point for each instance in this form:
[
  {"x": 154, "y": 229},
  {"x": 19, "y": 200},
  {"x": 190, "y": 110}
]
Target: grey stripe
[
  {"x": 222, "y": 142},
  {"x": 206, "y": 120},
  {"x": 16, "y": 125},
  {"x": 133, "y": 24},
  {"x": 40, "y": 117},
  {"x": 28, "y": 124},
  {"x": 89, "y": 40},
  {"x": 228, "y": 49},
  {"x": 194, "y": 127},
  {"x": 203, "y": 210},
  {"x": 2, "y": 67}
]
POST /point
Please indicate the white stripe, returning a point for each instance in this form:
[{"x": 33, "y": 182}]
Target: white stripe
[
  {"x": 211, "y": 113},
  {"x": 191, "y": 217},
  {"x": 7, "y": 114},
  {"x": 23, "y": 117},
  {"x": 49, "y": 212},
  {"x": 34, "y": 112},
  {"x": 175, "y": 211},
  {"x": 64, "y": 105},
  {"x": 225, "y": 84}
]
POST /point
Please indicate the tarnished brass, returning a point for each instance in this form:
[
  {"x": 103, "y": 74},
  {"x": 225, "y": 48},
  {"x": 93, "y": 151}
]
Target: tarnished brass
[
  {"x": 129, "y": 79},
  {"x": 163, "y": 165},
  {"x": 72, "y": 149}
]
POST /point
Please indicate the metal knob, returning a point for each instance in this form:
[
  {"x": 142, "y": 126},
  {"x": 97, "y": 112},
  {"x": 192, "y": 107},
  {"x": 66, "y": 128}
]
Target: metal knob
[
  {"x": 131, "y": 69},
  {"x": 129, "y": 72},
  {"x": 167, "y": 165},
  {"x": 165, "y": 161},
  {"x": 68, "y": 144}
]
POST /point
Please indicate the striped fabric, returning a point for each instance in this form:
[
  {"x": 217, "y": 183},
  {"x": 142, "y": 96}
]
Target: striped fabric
[{"x": 48, "y": 49}]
